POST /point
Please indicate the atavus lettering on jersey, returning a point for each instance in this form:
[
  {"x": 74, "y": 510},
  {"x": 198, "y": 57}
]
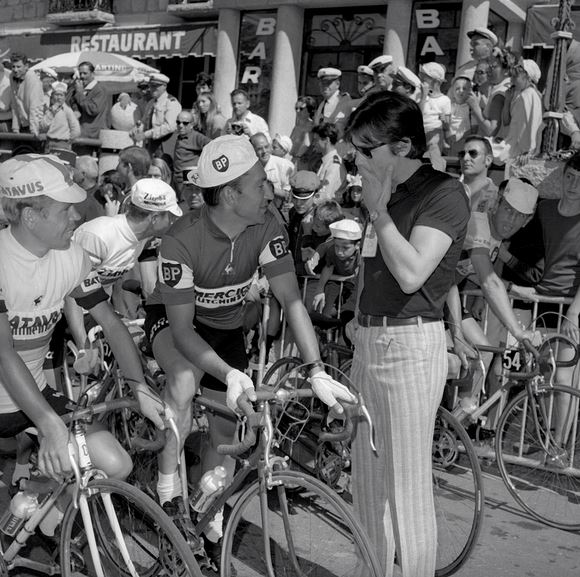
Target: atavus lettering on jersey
[
  {"x": 91, "y": 283},
  {"x": 22, "y": 190},
  {"x": 37, "y": 325},
  {"x": 110, "y": 275},
  {"x": 222, "y": 296}
]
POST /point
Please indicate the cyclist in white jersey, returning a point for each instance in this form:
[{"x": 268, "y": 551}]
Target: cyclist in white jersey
[{"x": 39, "y": 267}]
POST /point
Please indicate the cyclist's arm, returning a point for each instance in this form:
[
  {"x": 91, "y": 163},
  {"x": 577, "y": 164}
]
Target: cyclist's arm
[
  {"x": 495, "y": 292},
  {"x": 325, "y": 275},
  {"x": 191, "y": 345},
  {"x": 286, "y": 291},
  {"x": 53, "y": 456},
  {"x": 570, "y": 324},
  {"x": 76, "y": 323}
]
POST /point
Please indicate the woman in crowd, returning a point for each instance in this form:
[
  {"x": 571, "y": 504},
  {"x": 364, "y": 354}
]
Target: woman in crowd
[
  {"x": 211, "y": 121},
  {"x": 305, "y": 108}
]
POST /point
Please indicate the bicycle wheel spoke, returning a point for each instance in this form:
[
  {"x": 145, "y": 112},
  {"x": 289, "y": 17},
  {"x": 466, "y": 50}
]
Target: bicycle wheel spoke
[
  {"x": 537, "y": 446},
  {"x": 306, "y": 528}
]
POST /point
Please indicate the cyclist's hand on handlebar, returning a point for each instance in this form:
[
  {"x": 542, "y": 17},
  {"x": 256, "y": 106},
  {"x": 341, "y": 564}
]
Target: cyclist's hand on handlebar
[
  {"x": 463, "y": 351},
  {"x": 53, "y": 453},
  {"x": 238, "y": 383},
  {"x": 524, "y": 292},
  {"x": 86, "y": 361},
  {"x": 151, "y": 405},
  {"x": 331, "y": 392},
  {"x": 532, "y": 337}
]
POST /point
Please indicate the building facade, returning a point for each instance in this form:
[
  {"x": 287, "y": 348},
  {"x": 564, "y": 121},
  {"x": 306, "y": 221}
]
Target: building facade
[{"x": 273, "y": 48}]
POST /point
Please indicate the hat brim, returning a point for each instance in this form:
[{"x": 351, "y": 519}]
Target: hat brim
[
  {"x": 175, "y": 209},
  {"x": 73, "y": 194},
  {"x": 303, "y": 195}
]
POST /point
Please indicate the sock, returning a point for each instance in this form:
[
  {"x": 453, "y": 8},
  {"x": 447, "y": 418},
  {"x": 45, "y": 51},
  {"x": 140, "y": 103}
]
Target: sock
[
  {"x": 21, "y": 471},
  {"x": 215, "y": 528},
  {"x": 51, "y": 521},
  {"x": 168, "y": 486}
]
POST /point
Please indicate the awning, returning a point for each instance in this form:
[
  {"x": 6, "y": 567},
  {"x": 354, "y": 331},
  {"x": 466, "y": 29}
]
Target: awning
[
  {"x": 185, "y": 40},
  {"x": 539, "y": 25}
]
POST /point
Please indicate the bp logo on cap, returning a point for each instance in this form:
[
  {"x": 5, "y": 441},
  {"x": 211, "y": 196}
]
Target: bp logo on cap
[{"x": 221, "y": 164}]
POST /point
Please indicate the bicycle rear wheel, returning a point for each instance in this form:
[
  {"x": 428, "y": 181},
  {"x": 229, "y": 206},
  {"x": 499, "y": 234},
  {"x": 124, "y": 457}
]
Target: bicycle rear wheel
[
  {"x": 458, "y": 493},
  {"x": 155, "y": 546},
  {"x": 538, "y": 454},
  {"x": 309, "y": 531}
]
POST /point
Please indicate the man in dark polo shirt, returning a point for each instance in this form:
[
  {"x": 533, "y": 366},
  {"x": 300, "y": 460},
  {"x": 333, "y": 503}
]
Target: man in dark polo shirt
[{"x": 418, "y": 221}]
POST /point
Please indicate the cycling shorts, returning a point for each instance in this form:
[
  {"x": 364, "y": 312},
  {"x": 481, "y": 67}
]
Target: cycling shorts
[
  {"x": 13, "y": 423},
  {"x": 229, "y": 344}
]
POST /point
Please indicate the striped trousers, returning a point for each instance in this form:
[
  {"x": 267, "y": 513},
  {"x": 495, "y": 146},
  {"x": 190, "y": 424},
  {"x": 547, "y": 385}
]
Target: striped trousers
[{"x": 401, "y": 373}]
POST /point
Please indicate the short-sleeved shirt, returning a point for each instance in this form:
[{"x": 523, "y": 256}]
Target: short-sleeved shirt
[
  {"x": 326, "y": 254},
  {"x": 433, "y": 108},
  {"x": 32, "y": 293},
  {"x": 428, "y": 198},
  {"x": 112, "y": 246},
  {"x": 199, "y": 263},
  {"x": 478, "y": 236}
]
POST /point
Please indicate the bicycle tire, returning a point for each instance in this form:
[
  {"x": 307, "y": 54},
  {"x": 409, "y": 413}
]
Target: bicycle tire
[
  {"x": 544, "y": 478},
  {"x": 315, "y": 517},
  {"x": 155, "y": 544},
  {"x": 279, "y": 369},
  {"x": 458, "y": 493}
]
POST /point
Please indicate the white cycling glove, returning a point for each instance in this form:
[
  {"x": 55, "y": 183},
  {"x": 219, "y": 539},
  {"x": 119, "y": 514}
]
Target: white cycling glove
[
  {"x": 331, "y": 392},
  {"x": 237, "y": 383}
]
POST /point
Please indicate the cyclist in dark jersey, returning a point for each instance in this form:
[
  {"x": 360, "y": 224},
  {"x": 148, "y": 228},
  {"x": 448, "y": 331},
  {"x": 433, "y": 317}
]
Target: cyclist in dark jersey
[{"x": 194, "y": 318}]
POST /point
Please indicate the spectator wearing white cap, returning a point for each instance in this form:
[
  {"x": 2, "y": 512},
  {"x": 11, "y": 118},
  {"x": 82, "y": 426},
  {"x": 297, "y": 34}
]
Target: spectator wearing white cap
[
  {"x": 195, "y": 317},
  {"x": 91, "y": 100},
  {"x": 59, "y": 124},
  {"x": 365, "y": 79},
  {"x": 406, "y": 82},
  {"x": 523, "y": 112},
  {"x": 282, "y": 146},
  {"x": 340, "y": 255},
  {"x": 336, "y": 106},
  {"x": 436, "y": 109},
  {"x": 124, "y": 113},
  {"x": 243, "y": 120},
  {"x": 482, "y": 41},
  {"x": 159, "y": 121},
  {"x": 383, "y": 68},
  {"x": 47, "y": 77}
]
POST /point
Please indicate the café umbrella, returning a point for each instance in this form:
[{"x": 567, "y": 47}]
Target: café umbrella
[{"x": 109, "y": 67}]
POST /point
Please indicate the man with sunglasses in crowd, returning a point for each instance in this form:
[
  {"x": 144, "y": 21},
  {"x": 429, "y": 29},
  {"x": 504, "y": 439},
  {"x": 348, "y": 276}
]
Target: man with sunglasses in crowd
[
  {"x": 475, "y": 160},
  {"x": 188, "y": 147}
]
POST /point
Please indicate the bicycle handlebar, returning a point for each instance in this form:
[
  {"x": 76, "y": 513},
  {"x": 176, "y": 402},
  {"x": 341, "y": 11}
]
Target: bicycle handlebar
[{"x": 254, "y": 419}]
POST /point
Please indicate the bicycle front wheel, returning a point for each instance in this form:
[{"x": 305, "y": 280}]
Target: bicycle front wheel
[
  {"x": 299, "y": 527},
  {"x": 146, "y": 537},
  {"x": 538, "y": 454},
  {"x": 458, "y": 493}
]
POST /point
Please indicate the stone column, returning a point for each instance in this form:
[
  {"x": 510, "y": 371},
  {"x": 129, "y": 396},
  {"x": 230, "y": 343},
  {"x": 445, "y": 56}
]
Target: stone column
[
  {"x": 226, "y": 62},
  {"x": 475, "y": 14},
  {"x": 286, "y": 68},
  {"x": 398, "y": 30}
]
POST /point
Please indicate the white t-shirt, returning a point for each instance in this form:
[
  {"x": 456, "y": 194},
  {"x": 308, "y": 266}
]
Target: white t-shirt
[
  {"x": 433, "y": 107},
  {"x": 278, "y": 172}
]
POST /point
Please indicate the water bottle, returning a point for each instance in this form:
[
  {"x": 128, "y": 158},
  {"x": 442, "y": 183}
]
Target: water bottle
[
  {"x": 211, "y": 485},
  {"x": 22, "y": 507}
]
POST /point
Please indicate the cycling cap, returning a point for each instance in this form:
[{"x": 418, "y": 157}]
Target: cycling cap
[
  {"x": 408, "y": 76},
  {"x": 304, "y": 184},
  {"x": 532, "y": 70},
  {"x": 224, "y": 159},
  {"x": 155, "y": 195},
  {"x": 347, "y": 228},
  {"x": 433, "y": 70},
  {"x": 30, "y": 175},
  {"x": 521, "y": 196}
]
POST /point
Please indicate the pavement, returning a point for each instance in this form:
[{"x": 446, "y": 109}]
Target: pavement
[{"x": 511, "y": 543}]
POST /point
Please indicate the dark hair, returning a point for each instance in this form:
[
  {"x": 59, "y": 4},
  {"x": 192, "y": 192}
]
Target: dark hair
[
  {"x": 329, "y": 212},
  {"x": 203, "y": 78},
  {"x": 90, "y": 65},
  {"x": 386, "y": 118},
  {"x": 19, "y": 57},
  {"x": 505, "y": 57},
  {"x": 240, "y": 91},
  {"x": 310, "y": 103},
  {"x": 112, "y": 189},
  {"x": 573, "y": 162},
  {"x": 326, "y": 130},
  {"x": 138, "y": 158},
  {"x": 211, "y": 196},
  {"x": 483, "y": 140}
]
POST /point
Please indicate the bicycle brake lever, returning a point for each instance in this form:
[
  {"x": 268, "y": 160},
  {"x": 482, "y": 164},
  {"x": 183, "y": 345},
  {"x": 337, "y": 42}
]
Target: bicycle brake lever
[{"x": 367, "y": 417}]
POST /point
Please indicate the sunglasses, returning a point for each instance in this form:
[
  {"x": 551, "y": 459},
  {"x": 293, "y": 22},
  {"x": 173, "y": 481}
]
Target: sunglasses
[
  {"x": 185, "y": 123},
  {"x": 472, "y": 153}
]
